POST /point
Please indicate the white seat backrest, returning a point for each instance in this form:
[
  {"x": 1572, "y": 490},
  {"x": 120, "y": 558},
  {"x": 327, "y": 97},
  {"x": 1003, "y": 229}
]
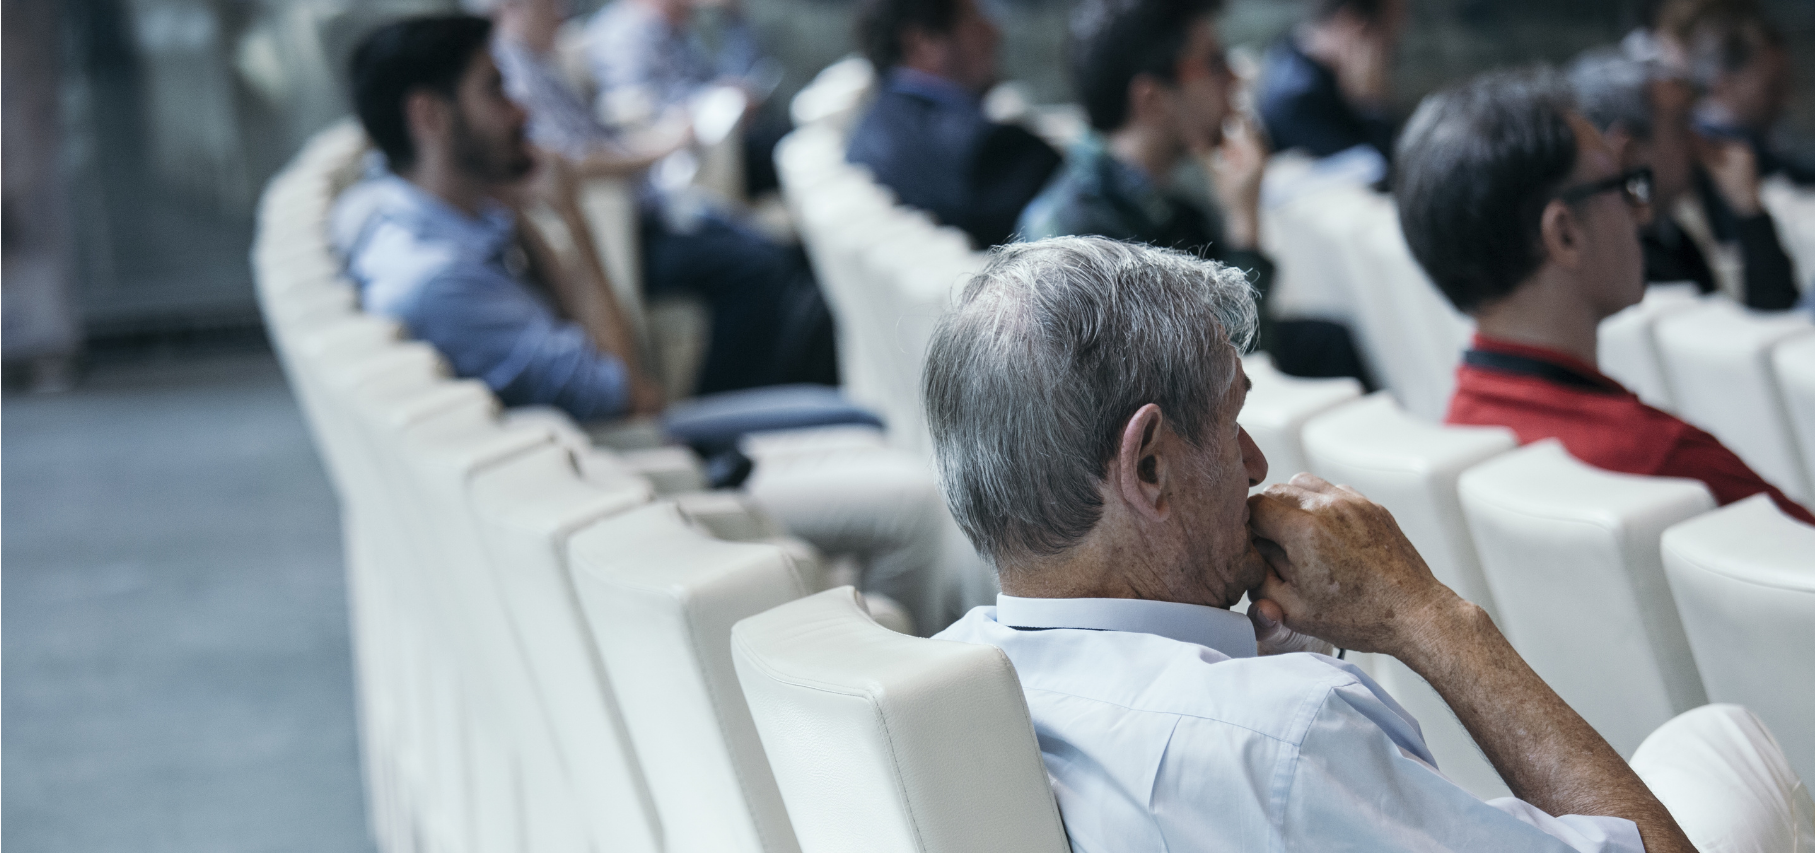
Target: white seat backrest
[
  {"x": 528, "y": 509},
  {"x": 1744, "y": 579},
  {"x": 889, "y": 743},
  {"x": 1626, "y": 346},
  {"x": 661, "y": 597},
  {"x": 1413, "y": 337},
  {"x": 1794, "y": 363},
  {"x": 1718, "y": 359},
  {"x": 1410, "y": 466},
  {"x": 1571, "y": 554},
  {"x": 1278, "y": 407}
]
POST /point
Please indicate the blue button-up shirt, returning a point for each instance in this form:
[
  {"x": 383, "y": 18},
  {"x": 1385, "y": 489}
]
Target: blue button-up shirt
[
  {"x": 1162, "y": 731},
  {"x": 449, "y": 278}
]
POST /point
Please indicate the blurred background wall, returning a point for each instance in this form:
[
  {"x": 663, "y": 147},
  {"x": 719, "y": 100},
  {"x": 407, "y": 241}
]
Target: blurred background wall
[{"x": 138, "y": 133}]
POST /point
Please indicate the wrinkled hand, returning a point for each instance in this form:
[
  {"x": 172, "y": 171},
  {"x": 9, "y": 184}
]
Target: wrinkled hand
[
  {"x": 1340, "y": 568},
  {"x": 1236, "y": 166},
  {"x": 1734, "y": 168}
]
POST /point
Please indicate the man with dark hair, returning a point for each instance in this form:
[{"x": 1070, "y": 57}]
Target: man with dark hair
[
  {"x": 1643, "y": 113},
  {"x": 1153, "y": 81},
  {"x": 1324, "y": 85},
  {"x": 429, "y": 244},
  {"x": 1521, "y": 214},
  {"x": 1082, "y": 399},
  {"x": 926, "y": 137}
]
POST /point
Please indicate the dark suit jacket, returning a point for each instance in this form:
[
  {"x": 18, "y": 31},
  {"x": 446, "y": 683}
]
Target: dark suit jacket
[{"x": 928, "y": 141}]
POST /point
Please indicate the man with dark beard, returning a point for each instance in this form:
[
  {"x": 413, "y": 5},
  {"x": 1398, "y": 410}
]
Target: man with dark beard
[{"x": 429, "y": 244}]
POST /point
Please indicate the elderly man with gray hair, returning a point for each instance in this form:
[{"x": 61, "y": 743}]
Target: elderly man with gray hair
[{"x": 1082, "y": 398}]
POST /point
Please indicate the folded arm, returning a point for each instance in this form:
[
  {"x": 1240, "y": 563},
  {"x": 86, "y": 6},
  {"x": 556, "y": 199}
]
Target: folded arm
[{"x": 1343, "y": 571}]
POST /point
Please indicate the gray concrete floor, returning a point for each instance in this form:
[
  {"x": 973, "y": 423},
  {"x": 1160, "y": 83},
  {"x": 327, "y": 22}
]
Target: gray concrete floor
[{"x": 177, "y": 673}]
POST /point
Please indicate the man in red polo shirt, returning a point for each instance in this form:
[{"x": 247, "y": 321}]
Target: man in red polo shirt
[{"x": 1518, "y": 210}]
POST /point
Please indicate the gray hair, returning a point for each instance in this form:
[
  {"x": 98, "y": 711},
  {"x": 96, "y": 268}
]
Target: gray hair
[
  {"x": 1612, "y": 88},
  {"x": 1050, "y": 349}
]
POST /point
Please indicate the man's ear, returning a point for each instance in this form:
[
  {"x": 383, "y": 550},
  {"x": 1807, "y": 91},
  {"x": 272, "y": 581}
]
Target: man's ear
[
  {"x": 1560, "y": 230},
  {"x": 1140, "y": 469},
  {"x": 428, "y": 117}
]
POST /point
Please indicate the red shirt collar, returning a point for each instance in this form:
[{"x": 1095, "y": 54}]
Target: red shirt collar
[{"x": 1550, "y": 356}]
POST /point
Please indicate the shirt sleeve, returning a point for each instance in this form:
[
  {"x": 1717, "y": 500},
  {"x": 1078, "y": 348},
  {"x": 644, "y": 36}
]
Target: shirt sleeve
[
  {"x": 1700, "y": 456},
  {"x": 1358, "y": 783},
  {"x": 491, "y": 329}
]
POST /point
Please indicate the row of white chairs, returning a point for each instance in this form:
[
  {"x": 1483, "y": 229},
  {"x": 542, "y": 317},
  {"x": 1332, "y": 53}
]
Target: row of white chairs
[
  {"x": 1744, "y": 376},
  {"x": 1632, "y": 596},
  {"x": 542, "y": 628},
  {"x": 1341, "y": 256}
]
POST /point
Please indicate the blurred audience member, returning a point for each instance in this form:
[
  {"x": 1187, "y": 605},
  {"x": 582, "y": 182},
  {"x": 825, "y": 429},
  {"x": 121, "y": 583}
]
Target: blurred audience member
[
  {"x": 926, "y": 137},
  {"x": 768, "y": 322},
  {"x": 648, "y": 58},
  {"x": 1324, "y": 86},
  {"x": 1520, "y": 212},
  {"x": 430, "y": 246},
  {"x": 1738, "y": 58},
  {"x": 1152, "y": 78},
  {"x": 1643, "y": 113}
]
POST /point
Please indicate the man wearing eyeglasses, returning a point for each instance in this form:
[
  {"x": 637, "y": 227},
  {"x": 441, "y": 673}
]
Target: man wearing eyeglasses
[{"x": 1519, "y": 211}]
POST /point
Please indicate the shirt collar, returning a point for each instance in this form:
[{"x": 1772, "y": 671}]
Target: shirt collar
[
  {"x": 933, "y": 87},
  {"x": 484, "y": 234},
  {"x": 1212, "y": 627},
  {"x": 1561, "y": 359}
]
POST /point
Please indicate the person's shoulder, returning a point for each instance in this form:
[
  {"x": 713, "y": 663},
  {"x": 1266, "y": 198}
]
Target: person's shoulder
[{"x": 1135, "y": 673}]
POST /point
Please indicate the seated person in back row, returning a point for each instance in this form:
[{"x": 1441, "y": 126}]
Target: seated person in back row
[
  {"x": 428, "y": 245},
  {"x": 769, "y": 324},
  {"x": 1740, "y": 62},
  {"x": 1324, "y": 85},
  {"x": 926, "y": 137},
  {"x": 1643, "y": 112},
  {"x": 1082, "y": 398},
  {"x": 1520, "y": 213},
  {"x": 1152, "y": 79}
]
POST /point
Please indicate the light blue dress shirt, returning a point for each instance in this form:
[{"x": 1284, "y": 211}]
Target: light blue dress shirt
[
  {"x": 1163, "y": 731},
  {"x": 450, "y": 279}
]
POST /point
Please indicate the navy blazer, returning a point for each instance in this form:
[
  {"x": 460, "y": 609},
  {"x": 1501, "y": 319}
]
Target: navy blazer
[{"x": 928, "y": 141}]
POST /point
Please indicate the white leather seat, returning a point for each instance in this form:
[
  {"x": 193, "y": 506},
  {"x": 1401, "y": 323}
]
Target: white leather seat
[
  {"x": 1415, "y": 338},
  {"x": 1410, "y": 466},
  {"x": 1794, "y": 363},
  {"x": 1726, "y": 780},
  {"x": 1744, "y": 580},
  {"x": 888, "y": 743},
  {"x": 1571, "y": 554},
  {"x": 1717, "y": 357},
  {"x": 528, "y": 508},
  {"x": 1277, "y": 408},
  {"x": 661, "y": 597},
  {"x": 1626, "y": 344}
]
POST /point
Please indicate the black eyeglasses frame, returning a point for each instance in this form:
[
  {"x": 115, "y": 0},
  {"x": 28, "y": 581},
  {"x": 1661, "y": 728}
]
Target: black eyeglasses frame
[{"x": 1637, "y": 185}]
